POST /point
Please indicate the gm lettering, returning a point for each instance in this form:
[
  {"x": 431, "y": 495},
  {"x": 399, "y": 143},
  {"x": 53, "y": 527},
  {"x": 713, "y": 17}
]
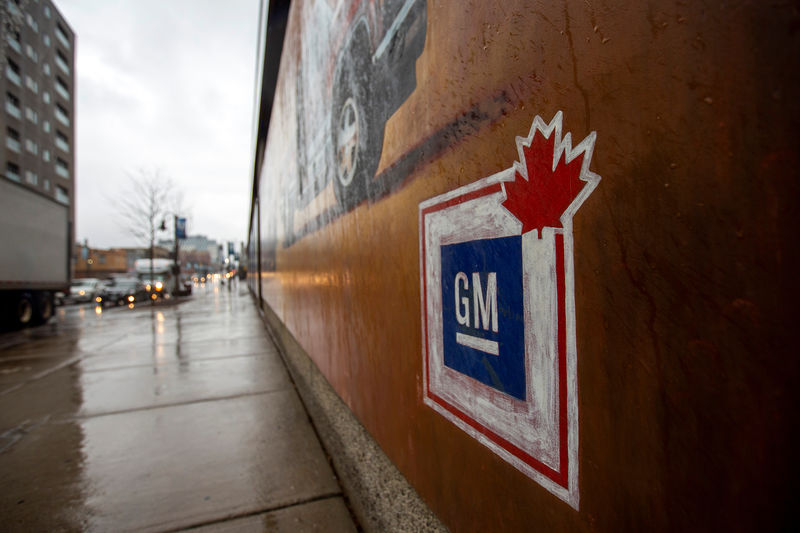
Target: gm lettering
[
  {"x": 483, "y": 328},
  {"x": 485, "y": 308}
]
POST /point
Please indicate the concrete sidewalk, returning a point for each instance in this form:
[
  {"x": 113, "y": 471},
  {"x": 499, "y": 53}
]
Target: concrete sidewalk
[{"x": 159, "y": 419}]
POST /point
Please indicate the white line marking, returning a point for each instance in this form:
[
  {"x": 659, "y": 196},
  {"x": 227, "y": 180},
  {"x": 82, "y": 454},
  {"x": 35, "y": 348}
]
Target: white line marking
[{"x": 484, "y": 345}]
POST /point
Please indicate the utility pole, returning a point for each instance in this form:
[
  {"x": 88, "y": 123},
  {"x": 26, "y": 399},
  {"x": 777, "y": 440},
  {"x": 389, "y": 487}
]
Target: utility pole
[{"x": 177, "y": 265}]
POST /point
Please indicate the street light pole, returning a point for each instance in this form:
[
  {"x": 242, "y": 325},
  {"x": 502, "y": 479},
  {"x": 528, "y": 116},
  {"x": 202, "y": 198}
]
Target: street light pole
[{"x": 177, "y": 266}]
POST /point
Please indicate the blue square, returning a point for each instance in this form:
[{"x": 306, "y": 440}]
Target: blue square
[{"x": 483, "y": 316}]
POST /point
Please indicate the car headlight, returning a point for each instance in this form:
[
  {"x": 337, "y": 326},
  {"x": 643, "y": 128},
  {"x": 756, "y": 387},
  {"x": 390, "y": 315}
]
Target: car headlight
[{"x": 159, "y": 285}]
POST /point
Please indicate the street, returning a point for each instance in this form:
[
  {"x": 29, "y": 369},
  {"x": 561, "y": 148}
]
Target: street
[{"x": 158, "y": 418}]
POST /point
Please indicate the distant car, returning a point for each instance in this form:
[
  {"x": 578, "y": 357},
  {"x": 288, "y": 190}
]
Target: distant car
[
  {"x": 83, "y": 290},
  {"x": 123, "y": 291}
]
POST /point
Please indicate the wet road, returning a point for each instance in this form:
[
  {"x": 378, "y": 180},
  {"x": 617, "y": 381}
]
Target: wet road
[{"x": 158, "y": 419}]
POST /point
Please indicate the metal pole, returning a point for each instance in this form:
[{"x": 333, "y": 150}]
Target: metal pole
[
  {"x": 152, "y": 283},
  {"x": 177, "y": 266}
]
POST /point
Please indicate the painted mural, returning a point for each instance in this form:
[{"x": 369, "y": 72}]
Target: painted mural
[
  {"x": 355, "y": 67},
  {"x": 532, "y": 348}
]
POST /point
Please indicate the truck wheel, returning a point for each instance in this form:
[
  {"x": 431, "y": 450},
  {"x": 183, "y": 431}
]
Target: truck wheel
[
  {"x": 23, "y": 315},
  {"x": 356, "y": 138},
  {"x": 43, "y": 309}
]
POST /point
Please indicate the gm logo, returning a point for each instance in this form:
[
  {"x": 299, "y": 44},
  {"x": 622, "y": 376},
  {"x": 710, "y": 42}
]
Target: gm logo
[
  {"x": 499, "y": 349},
  {"x": 483, "y": 314}
]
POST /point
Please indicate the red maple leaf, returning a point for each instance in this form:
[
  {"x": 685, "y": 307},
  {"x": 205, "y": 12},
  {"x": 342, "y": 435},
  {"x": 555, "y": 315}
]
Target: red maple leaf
[{"x": 541, "y": 199}]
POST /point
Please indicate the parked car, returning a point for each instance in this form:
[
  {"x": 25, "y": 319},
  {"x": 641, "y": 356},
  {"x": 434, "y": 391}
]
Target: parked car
[
  {"x": 123, "y": 291},
  {"x": 83, "y": 290}
]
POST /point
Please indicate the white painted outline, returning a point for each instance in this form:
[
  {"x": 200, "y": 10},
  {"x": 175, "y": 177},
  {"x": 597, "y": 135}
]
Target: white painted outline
[{"x": 471, "y": 403}]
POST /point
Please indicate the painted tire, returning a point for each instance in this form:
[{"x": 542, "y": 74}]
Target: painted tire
[{"x": 356, "y": 138}]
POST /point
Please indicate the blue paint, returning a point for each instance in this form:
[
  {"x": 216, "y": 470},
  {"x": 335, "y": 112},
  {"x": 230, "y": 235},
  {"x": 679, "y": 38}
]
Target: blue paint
[{"x": 505, "y": 371}]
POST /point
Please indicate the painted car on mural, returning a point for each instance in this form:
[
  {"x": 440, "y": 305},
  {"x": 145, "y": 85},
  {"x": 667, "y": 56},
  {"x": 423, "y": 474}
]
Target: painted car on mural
[{"x": 366, "y": 72}]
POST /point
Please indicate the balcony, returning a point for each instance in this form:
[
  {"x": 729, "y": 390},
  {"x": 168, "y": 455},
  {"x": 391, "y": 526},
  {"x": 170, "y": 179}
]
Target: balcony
[
  {"x": 13, "y": 175},
  {"x": 62, "y": 64},
  {"x": 62, "y": 195},
  {"x": 60, "y": 143},
  {"x": 13, "y": 109},
  {"x": 62, "y": 171},
  {"x": 14, "y": 9},
  {"x": 61, "y": 117},
  {"x": 13, "y": 76},
  {"x": 62, "y": 91},
  {"x": 14, "y": 44},
  {"x": 12, "y": 144},
  {"x": 62, "y": 38}
]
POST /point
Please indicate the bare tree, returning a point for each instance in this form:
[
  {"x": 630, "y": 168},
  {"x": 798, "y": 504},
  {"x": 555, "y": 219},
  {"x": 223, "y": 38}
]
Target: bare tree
[{"x": 144, "y": 206}]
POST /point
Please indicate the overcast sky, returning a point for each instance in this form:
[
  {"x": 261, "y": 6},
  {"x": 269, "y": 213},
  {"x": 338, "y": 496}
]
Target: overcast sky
[{"x": 164, "y": 84}]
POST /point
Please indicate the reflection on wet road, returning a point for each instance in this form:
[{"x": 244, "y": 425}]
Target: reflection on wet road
[{"x": 158, "y": 418}]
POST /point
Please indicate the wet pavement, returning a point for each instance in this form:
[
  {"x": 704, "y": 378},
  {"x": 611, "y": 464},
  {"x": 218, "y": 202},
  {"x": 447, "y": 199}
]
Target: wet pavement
[{"x": 158, "y": 419}]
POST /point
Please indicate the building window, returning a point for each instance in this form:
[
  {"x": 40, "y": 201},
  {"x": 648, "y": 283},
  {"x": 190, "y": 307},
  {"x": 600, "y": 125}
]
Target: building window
[
  {"x": 62, "y": 62},
  {"x": 46, "y": 97},
  {"x": 46, "y": 40},
  {"x": 47, "y": 11},
  {"x": 46, "y": 126},
  {"x": 46, "y": 69},
  {"x": 62, "y": 168},
  {"x": 31, "y": 177},
  {"x": 61, "y": 35},
  {"x": 62, "y": 88},
  {"x": 12, "y": 171},
  {"x": 46, "y": 155},
  {"x": 31, "y": 146},
  {"x": 32, "y": 53},
  {"x": 61, "y": 115},
  {"x": 31, "y": 115},
  {"x": 12, "y": 72},
  {"x": 12, "y": 105},
  {"x": 12, "y": 139},
  {"x": 46, "y": 185},
  {"x": 62, "y": 141},
  {"x": 62, "y": 195},
  {"x": 31, "y": 84}
]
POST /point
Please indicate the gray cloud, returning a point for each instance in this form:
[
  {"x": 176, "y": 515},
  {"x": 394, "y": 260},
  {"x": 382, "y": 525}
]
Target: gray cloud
[{"x": 165, "y": 84}]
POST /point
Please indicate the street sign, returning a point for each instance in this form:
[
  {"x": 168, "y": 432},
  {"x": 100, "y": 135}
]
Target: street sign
[
  {"x": 180, "y": 228},
  {"x": 498, "y": 311}
]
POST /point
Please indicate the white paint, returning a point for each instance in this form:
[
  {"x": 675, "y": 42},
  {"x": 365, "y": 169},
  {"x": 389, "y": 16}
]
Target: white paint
[
  {"x": 401, "y": 16},
  {"x": 484, "y": 345},
  {"x": 531, "y": 425},
  {"x": 485, "y": 305},
  {"x": 461, "y": 302}
]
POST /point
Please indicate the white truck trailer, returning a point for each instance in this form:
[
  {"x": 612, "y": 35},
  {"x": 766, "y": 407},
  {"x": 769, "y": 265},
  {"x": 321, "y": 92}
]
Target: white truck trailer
[
  {"x": 158, "y": 277},
  {"x": 34, "y": 254}
]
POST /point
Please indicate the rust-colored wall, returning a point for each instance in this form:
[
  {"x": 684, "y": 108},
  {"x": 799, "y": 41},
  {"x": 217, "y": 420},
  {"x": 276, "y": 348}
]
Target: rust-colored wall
[{"x": 685, "y": 255}]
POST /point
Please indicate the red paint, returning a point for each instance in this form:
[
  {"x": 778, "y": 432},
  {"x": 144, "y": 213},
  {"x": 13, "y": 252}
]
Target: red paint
[{"x": 542, "y": 198}]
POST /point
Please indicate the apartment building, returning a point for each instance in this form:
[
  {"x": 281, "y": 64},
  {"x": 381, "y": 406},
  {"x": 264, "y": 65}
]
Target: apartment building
[{"x": 38, "y": 91}]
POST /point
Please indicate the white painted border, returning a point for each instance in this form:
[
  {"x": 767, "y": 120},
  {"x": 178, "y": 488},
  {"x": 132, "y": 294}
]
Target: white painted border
[{"x": 480, "y": 396}]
